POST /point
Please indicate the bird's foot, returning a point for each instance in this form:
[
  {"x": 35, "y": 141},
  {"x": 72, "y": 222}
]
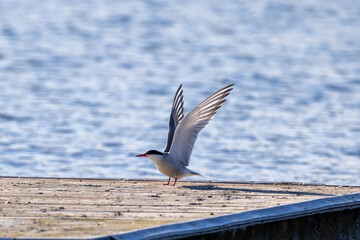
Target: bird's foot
[
  {"x": 167, "y": 182},
  {"x": 174, "y": 182}
]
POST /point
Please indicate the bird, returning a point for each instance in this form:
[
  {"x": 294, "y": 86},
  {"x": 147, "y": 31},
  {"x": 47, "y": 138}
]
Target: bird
[{"x": 182, "y": 134}]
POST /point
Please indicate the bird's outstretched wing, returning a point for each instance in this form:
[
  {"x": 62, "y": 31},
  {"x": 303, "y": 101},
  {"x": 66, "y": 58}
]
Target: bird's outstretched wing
[
  {"x": 186, "y": 132},
  {"x": 177, "y": 114}
]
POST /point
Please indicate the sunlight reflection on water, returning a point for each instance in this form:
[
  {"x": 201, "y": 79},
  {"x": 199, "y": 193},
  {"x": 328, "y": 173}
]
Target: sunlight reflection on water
[{"x": 86, "y": 86}]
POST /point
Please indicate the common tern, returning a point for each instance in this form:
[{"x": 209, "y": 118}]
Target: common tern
[{"x": 182, "y": 134}]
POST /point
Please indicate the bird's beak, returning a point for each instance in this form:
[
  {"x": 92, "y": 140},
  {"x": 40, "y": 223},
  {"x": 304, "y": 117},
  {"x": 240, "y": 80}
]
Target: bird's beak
[{"x": 141, "y": 155}]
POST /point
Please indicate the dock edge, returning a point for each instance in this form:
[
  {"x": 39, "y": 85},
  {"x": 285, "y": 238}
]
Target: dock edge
[{"x": 315, "y": 217}]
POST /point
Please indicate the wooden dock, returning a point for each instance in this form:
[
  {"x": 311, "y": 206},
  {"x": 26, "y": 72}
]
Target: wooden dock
[{"x": 82, "y": 208}]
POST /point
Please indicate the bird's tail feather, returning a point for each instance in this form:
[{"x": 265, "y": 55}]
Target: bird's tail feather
[{"x": 192, "y": 173}]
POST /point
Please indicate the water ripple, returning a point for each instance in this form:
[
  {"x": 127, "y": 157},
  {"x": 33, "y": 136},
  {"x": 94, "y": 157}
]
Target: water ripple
[{"x": 87, "y": 86}]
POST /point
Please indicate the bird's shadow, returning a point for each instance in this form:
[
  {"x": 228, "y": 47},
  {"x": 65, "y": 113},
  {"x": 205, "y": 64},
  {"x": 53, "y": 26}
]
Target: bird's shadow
[{"x": 212, "y": 187}]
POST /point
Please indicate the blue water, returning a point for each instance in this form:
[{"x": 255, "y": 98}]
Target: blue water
[{"x": 86, "y": 85}]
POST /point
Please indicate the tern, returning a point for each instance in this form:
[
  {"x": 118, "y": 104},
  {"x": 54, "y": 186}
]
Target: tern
[{"x": 182, "y": 134}]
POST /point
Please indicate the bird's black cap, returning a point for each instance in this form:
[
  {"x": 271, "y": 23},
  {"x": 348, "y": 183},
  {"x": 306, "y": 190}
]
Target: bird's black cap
[{"x": 154, "y": 152}]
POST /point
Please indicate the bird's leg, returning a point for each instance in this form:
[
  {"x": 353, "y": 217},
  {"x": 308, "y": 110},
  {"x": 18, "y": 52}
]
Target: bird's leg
[
  {"x": 167, "y": 182},
  {"x": 174, "y": 182}
]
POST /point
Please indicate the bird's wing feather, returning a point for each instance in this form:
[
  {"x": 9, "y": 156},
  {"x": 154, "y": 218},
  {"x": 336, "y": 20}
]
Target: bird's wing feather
[
  {"x": 186, "y": 132},
  {"x": 177, "y": 114}
]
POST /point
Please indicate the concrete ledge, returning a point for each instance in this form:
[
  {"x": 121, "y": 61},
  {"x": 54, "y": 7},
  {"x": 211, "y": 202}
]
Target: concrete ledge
[{"x": 327, "y": 218}]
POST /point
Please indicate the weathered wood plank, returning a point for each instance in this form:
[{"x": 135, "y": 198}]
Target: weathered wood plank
[{"x": 45, "y": 207}]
